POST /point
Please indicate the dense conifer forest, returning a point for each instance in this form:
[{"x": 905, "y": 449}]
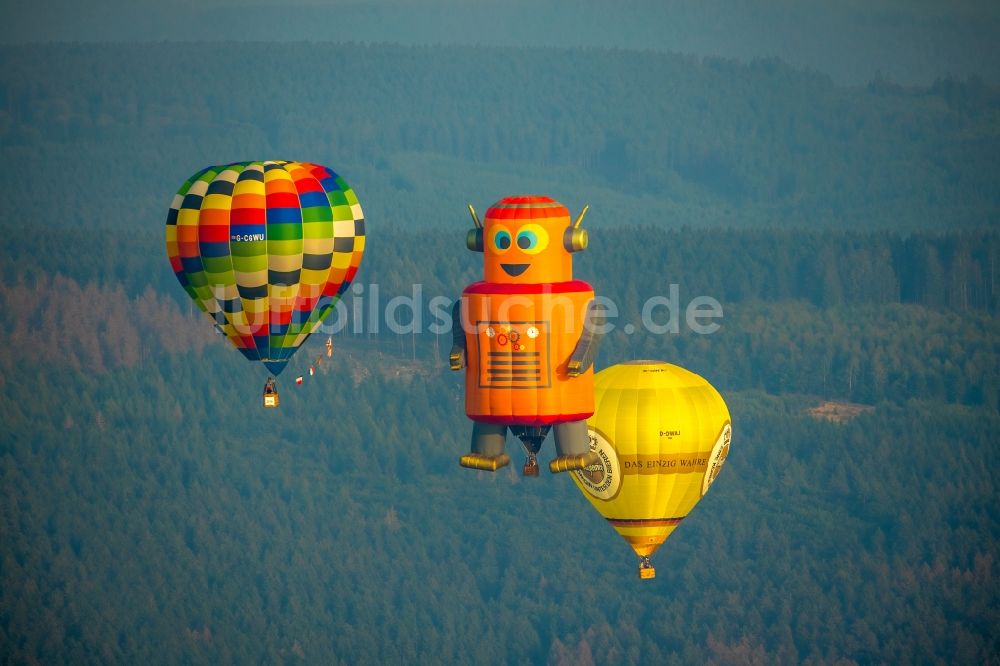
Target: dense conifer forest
[
  {"x": 151, "y": 511},
  {"x": 645, "y": 138}
]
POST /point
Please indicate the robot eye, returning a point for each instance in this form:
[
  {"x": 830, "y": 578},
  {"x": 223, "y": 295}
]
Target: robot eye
[
  {"x": 501, "y": 240},
  {"x": 532, "y": 239}
]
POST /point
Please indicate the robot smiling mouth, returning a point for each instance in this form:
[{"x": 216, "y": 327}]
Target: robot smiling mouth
[{"x": 514, "y": 270}]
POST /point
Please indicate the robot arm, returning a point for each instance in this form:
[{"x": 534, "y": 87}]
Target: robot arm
[
  {"x": 586, "y": 347},
  {"x": 456, "y": 358}
]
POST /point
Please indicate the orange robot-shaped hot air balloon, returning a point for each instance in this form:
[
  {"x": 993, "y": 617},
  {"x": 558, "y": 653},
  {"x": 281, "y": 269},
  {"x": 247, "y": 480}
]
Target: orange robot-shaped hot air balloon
[{"x": 527, "y": 335}]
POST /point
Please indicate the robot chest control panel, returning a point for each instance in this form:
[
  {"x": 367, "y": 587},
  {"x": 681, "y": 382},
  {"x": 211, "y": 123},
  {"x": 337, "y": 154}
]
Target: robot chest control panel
[{"x": 513, "y": 354}]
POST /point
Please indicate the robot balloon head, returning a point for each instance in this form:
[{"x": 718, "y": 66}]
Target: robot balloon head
[{"x": 527, "y": 240}]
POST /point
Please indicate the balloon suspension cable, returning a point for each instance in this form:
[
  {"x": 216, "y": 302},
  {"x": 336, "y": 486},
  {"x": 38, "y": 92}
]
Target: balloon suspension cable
[
  {"x": 531, "y": 458},
  {"x": 530, "y": 464},
  {"x": 531, "y": 438},
  {"x": 475, "y": 218}
]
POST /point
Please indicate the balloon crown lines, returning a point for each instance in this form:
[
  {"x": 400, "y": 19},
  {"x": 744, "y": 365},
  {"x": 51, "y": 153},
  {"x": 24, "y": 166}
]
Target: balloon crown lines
[{"x": 369, "y": 311}]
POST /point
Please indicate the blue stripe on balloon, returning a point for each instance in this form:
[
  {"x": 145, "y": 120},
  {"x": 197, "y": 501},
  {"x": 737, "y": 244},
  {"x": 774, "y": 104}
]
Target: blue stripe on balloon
[
  {"x": 283, "y": 215},
  {"x": 312, "y": 199},
  {"x": 213, "y": 250},
  {"x": 191, "y": 264}
]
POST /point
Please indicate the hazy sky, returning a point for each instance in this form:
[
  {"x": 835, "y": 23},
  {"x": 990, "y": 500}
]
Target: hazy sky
[{"x": 909, "y": 41}]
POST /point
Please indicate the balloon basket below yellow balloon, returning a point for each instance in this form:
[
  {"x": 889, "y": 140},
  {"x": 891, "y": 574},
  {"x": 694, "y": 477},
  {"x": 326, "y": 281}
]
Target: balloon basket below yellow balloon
[{"x": 646, "y": 569}]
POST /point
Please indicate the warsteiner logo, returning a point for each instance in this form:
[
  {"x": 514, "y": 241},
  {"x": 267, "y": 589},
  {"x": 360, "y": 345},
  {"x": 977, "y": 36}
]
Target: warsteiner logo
[
  {"x": 603, "y": 479},
  {"x": 718, "y": 456}
]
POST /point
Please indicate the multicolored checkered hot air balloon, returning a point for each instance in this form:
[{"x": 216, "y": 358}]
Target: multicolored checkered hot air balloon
[{"x": 265, "y": 249}]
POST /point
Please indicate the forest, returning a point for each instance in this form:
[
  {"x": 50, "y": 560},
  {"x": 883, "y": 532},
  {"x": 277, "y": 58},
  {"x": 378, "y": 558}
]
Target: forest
[
  {"x": 152, "y": 511},
  {"x": 645, "y": 138},
  {"x": 910, "y": 41},
  {"x": 860, "y": 317}
]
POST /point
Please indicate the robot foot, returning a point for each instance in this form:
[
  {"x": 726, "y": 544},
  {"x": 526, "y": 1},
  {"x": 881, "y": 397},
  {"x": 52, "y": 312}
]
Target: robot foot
[
  {"x": 480, "y": 461},
  {"x": 570, "y": 463}
]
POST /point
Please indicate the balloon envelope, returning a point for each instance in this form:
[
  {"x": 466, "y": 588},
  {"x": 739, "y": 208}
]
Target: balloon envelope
[
  {"x": 662, "y": 434},
  {"x": 265, "y": 249}
]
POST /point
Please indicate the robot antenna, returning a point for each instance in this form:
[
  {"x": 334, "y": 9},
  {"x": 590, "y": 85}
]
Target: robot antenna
[{"x": 475, "y": 218}]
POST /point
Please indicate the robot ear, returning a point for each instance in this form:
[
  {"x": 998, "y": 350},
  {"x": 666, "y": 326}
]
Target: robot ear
[
  {"x": 574, "y": 238},
  {"x": 474, "y": 239}
]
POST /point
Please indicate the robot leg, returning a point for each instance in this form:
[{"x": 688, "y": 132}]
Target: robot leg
[
  {"x": 572, "y": 447},
  {"x": 488, "y": 441}
]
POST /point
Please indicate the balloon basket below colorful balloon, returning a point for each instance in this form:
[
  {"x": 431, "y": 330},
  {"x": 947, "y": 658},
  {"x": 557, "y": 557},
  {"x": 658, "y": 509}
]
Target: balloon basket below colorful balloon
[
  {"x": 531, "y": 465},
  {"x": 271, "y": 399}
]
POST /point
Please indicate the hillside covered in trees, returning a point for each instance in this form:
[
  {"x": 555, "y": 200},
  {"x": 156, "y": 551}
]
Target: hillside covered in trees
[
  {"x": 154, "y": 511},
  {"x": 151, "y": 511},
  {"x": 645, "y": 138}
]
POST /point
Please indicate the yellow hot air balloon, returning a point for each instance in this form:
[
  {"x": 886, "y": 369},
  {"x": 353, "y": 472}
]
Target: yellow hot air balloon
[{"x": 662, "y": 434}]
